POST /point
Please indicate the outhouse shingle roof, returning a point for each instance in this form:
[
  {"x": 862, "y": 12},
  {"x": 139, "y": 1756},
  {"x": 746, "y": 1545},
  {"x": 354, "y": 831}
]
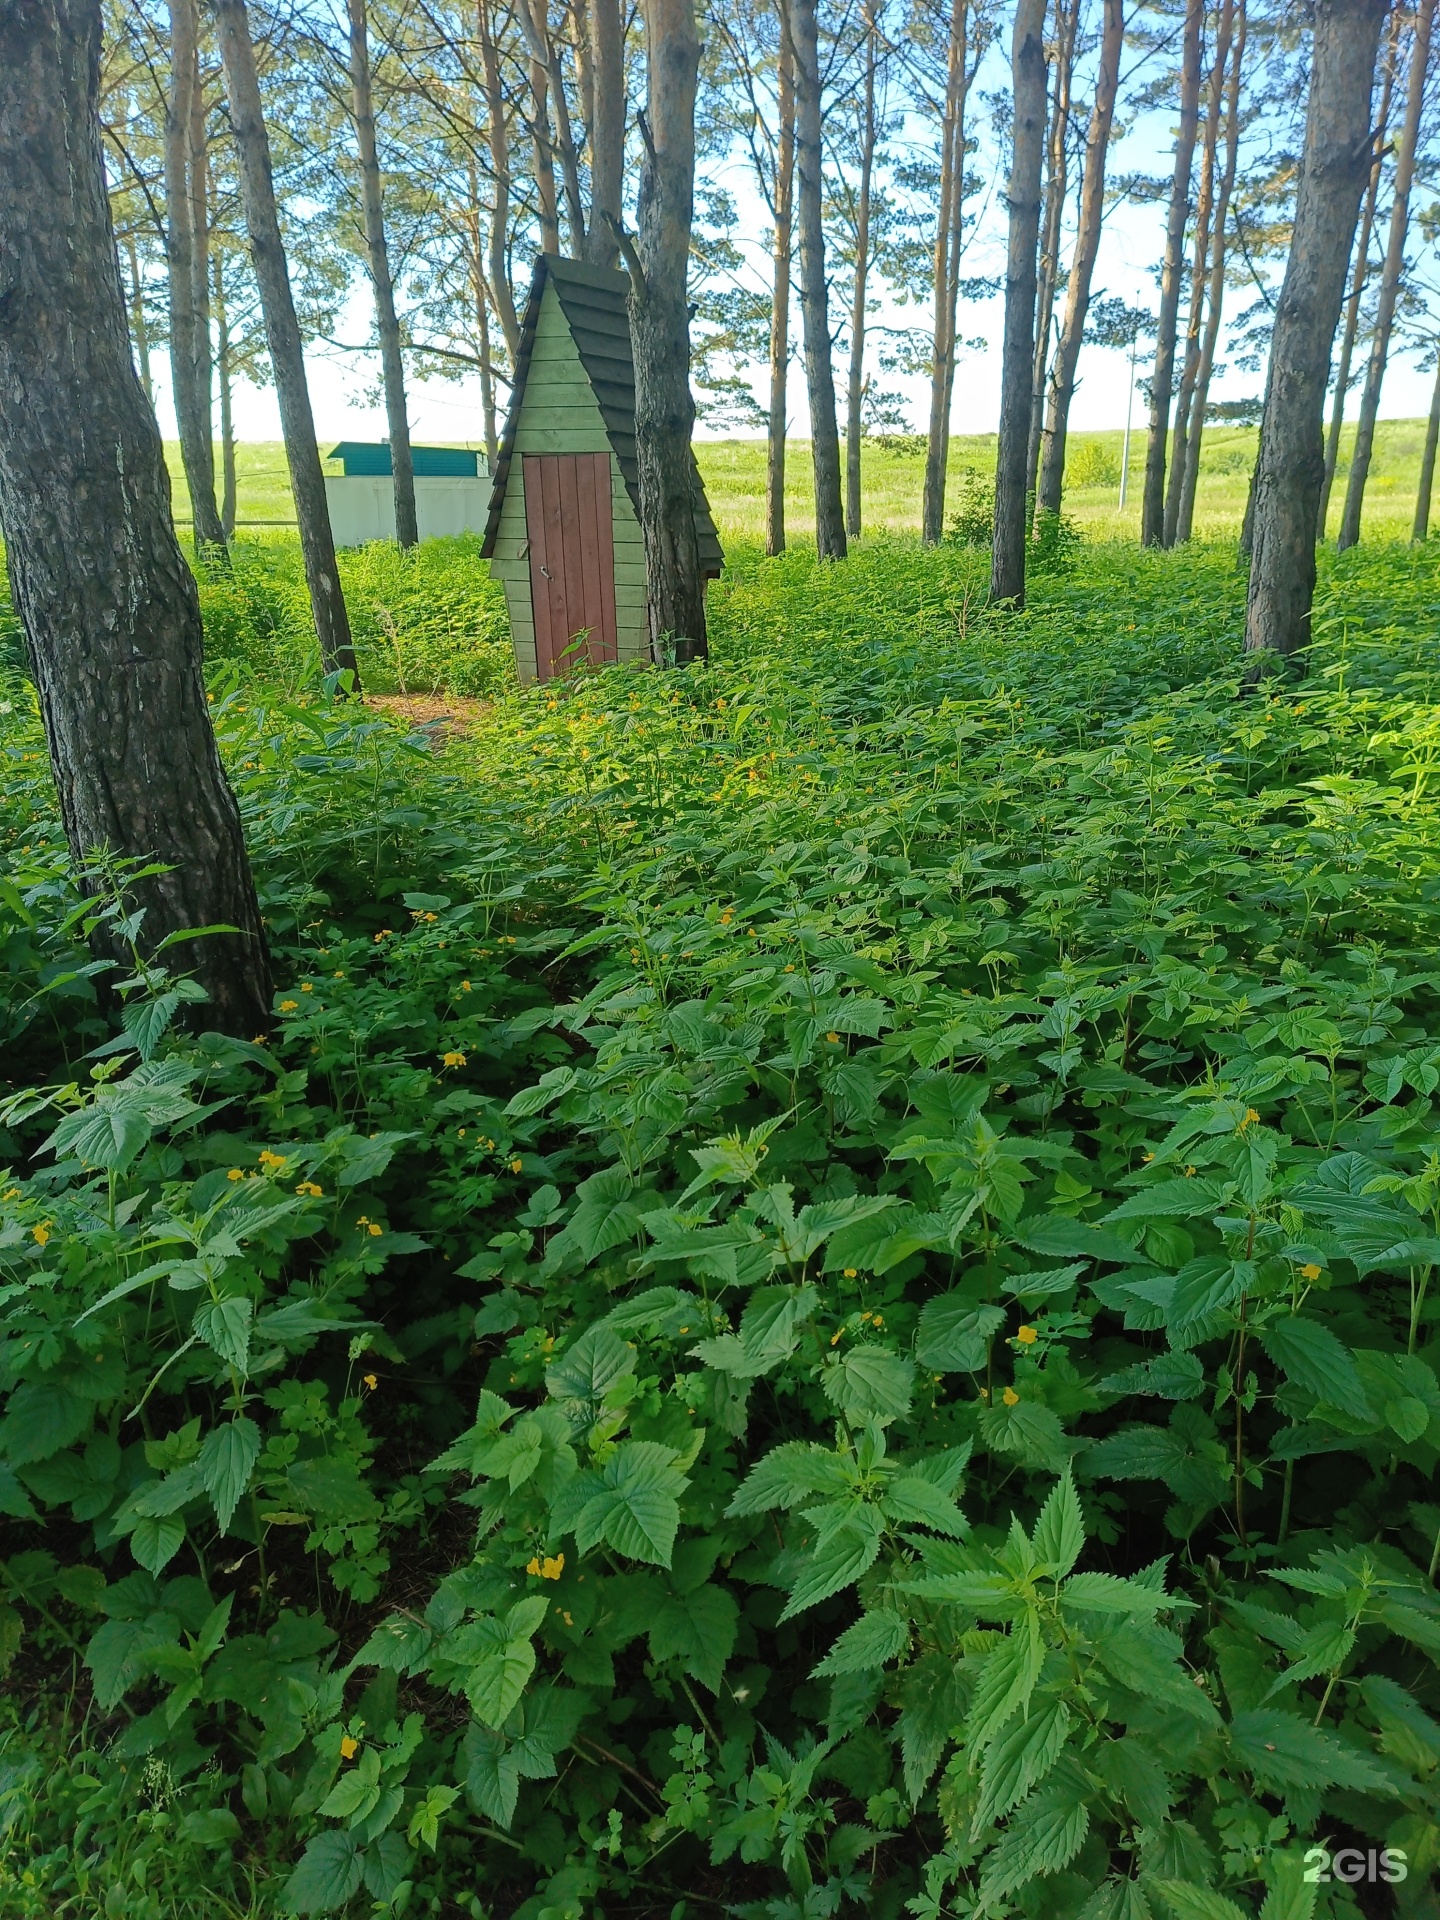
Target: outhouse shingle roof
[{"x": 592, "y": 300}]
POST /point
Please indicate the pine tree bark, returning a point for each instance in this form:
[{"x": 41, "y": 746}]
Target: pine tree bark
[
  {"x": 1007, "y": 557},
  {"x": 1360, "y": 269},
  {"x": 1423, "y": 492},
  {"x": 185, "y": 254},
  {"x": 660, "y": 334},
  {"x": 814, "y": 294},
  {"x": 1291, "y": 464},
  {"x": 1067, "y": 22},
  {"x": 1207, "y": 233},
  {"x": 497, "y": 135},
  {"x": 1050, "y": 489},
  {"x": 949, "y": 231},
  {"x": 377, "y": 260},
  {"x": 1390, "y": 275},
  {"x": 282, "y": 334},
  {"x": 855, "y": 386},
  {"x": 139, "y": 330},
  {"x": 1215, "y": 296},
  {"x": 780, "y": 301},
  {"x": 1152, "y": 508},
  {"x": 607, "y": 129},
  {"x": 108, "y": 606}
]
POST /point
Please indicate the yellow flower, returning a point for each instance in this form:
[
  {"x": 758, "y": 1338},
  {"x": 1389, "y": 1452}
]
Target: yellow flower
[
  {"x": 271, "y": 1161},
  {"x": 1189, "y": 1173},
  {"x": 236, "y": 1173},
  {"x": 309, "y": 1186},
  {"x": 1010, "y": 1397},
  {"x": 371, "y": 1381},
  {"x": 306, "y": 987},
  {"x": 547, "y": 1569},
  {"x": 259, "y": 1040},
  {"x": 1251, "y": 1116},
  {"x": 454, "y": 1058},
  {"x": 289, "y": 1006},
  {"x": 348, "y": 1747},
  {"x": 1147, "y": 1158},
  {"x": 833, "y": 1038},
  {"x": 1310, "y": 1271},
  {"x": 851, "y": 1273},
  {"x": 1027, "y": 1336},
  {"x": 517, "y": 1166},
  {"x": 41, "y": 1233},
  {"x": 339, "y": 973},
  {"x": 789, "y": 969},
  {"x": 374, "y": 1231},
  {"x": 13, "y": 1194},
  {"x": 383, "y": 934},
  {"x": 464, "y": 986}
]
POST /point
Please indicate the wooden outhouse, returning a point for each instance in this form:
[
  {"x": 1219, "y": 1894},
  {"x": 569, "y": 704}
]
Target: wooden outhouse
[{"x": 563, "y": 533}]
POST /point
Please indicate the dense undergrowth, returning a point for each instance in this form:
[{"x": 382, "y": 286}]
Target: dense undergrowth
[{"x": 818, "y": 1301}]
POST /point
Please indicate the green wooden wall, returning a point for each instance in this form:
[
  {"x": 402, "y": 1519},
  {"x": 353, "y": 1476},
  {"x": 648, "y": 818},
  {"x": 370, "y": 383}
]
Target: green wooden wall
[{"x": 559, "y": 414}]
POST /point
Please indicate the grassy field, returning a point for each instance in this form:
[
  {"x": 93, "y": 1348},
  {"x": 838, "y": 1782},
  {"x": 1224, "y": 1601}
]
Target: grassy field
[{"x": 893, "y": 471}]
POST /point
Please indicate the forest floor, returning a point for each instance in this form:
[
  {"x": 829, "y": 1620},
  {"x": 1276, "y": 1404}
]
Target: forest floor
[{"x": 818, "y": 1302}]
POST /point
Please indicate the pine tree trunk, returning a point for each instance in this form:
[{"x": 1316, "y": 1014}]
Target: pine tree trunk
[
  {"x": 660, "y": 332},
  {"x": 282, "y": 334},
  {"x": 228, "y": 488},
  {"x": 184, "y": 252},
  {"x": 814, "y": 294},
  {"x": 1056, "y": 187},
  {"x": 1421, "y": 528},
  {"x": 607, "y": 129},
  {"x": 107, "y": 604},
  {"x": 1291, "y": 465},
  {"x": 855, "y": 392},
  {"x": 1360, "y": 271},
  {"x": 780, "y": 302},
  {"x": 1215, "y": 298},
  {"x": 1207, "y": 233},
  {"x": 1152, "y": 509},
  {"x": 1390, "y": 276},
  {"x": 548, "y": 212},
  {"x": 139, "y": 331},
  {"x": 496, "y": 133},
  {"x": 1050, "y": 488},
  {"x": 1007, "y": 559},
  {"x": 377, "y": 257},
  {"x": 948, "y": 237}
]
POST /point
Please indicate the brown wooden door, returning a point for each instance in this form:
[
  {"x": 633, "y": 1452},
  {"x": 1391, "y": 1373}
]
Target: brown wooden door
[{"x": 572, "y": 558}]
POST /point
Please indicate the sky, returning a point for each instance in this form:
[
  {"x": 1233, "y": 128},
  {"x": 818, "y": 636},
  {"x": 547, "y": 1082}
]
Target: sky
[{"x": 344, "y": 386}]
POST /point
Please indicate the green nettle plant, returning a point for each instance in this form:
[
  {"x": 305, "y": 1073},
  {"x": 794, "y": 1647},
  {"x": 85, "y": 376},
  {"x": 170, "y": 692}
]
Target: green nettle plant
[{"x": 819, "y": 1302}]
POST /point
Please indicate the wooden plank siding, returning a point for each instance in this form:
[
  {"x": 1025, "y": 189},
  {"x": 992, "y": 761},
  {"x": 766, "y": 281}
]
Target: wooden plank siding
[{"x": 559, "y": 414}]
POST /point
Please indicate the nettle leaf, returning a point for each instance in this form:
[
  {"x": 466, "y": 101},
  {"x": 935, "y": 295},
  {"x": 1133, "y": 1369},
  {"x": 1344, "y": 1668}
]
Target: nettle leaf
[
  {"x": 912, "y": 1499},
  {"x": 636, "y": 1503},
  {"x": 1117, "y": 1899},
  {"x": 364, "y": 1158},
  {"x": 327, "y": 1876},
  {"x": 837, "y": 1562},
  {"x": 1189, "y": 1902},
  {"x": 224, "y": 1326},
  {"x": 1169, "y": 1376},
  {"x": 42, "y": 1417},
  {"x": 1007, "y": 1680},
  {"x": 226, "y": 1462},
  {"x": 1105, "y": 1593},
  {"x": 1282, "y": 1751},
  {"x": 1205, "y": 1287},
  {"x": 606, "y": 1216},
  {"x": 1044, "y": 1835},
  {"x": 1059, "y": 1533},
  {"x": 954, "y": 1335},
  {"x": 1032, "y": 1433},
  {"x": 118, "y": 1653},
  {"x": 788, "y": 1475},
  {"x": 873, "y": 1641},
  {"x": 1019, "y": 1760},
  {"x": 871, "y": 1382},
  {"x": 1313, "y": 1359},
  {"x": 1177, "y": 1199}
]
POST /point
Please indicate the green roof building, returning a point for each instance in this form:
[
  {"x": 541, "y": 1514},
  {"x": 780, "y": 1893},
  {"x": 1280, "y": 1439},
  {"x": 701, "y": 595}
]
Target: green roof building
[{"x": 563, "y": 533}]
